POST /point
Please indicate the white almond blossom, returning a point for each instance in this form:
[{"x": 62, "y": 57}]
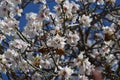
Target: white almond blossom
[
  {"x": 73, "y": 38},
  {"x": 11, "y": 54},
  {"x": 74, "y": 6},
  {"x": 16, "y": 11},
  {"x": 56, "y": 30},
  {"x": 66, "y": 7},
  {"x": 36, "y": 76},
  {"x": 18, "y": 44},
  {"x": 31, "y": 16},
  {"x": 56, "y": 42},
  {"x": 105, "y": 50},
  {"x": 4, "y": 9},
  {"x": 58, "y": 9},
  {"x": 83, "y": 77},
  {"x": 86, "y": 20},
  {"x": 110, "y": 58},
  {"x": 2, "y": 37},
  {"x": 9, "y": 6},
  {"x": 83, "y": 64},
  {"x": 66, "y": 72},
  {"x": 44, "y": 13},
  {"x": 79, "y": 59},
  {"x": 32, "y": 28},
  {"x": 100, "y": 2},
  {"x": 8, "y": 26},
  {"x": 2, "y": 58},
  {"x": 108, "y": 29},
  {"x": 23, "y": 65},
  {"x": 47, "y": 64}
]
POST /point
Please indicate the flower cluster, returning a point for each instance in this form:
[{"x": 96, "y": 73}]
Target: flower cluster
[{"x": 69, "y": 40}]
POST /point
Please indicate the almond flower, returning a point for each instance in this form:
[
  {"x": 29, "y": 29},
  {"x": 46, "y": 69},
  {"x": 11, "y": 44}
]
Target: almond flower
[
  {"x": 2, "y": 58},
  {"x": 66, "y": 72},
  {"x": 73, "y": 38},
  {"x": 15, "y": 12},
  {"x": 74, "y": 7},
  {"x": 8, "y": 25},
  {"x": 2, "y": 37},
  {"x": 83, "y": 64},
  {"x": 58, "y": 9},
  {"x": 83, "y": 77},
  {"x": 66, "y": 7},
  {"x": 8, "y": 6},
  {"x": 36, "y": 76},
  {"x": 105, "y": 50},
  {"x": 56, "y": 42},
  {"x": 2, "y": 61},
  {"x": 23, "y": 65},
  {"x": 108, "y": 29},
  {"x": 18, "y": 44},
  {"x": 47, "y": 64},
  {"x": 11, "y": 53},
  {"x": 31, "y": 16},
  {"x": 86, "y": 20},
  {"x": 100, "y": 2},
  {"x": 4, "y": 9}
]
